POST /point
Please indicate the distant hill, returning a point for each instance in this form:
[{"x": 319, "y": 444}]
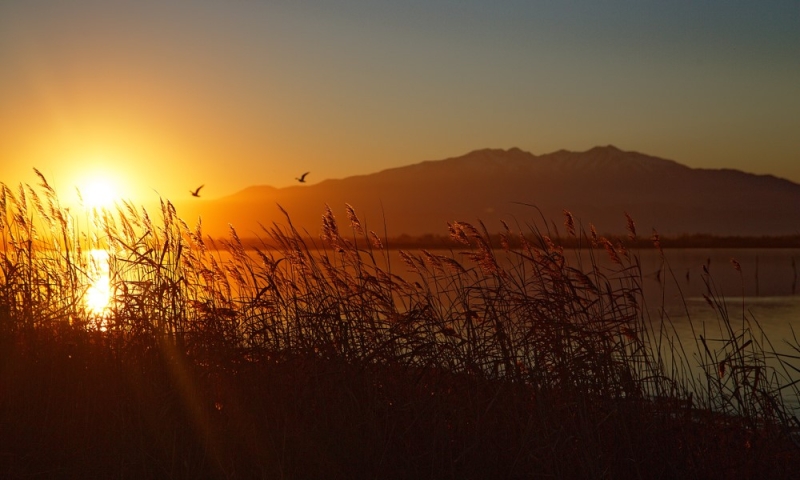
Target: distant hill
[{"x": 598, "y": 186}]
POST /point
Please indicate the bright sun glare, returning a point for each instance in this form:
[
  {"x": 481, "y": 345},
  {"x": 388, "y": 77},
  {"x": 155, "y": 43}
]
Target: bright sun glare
[
  {"x": 97, "y": 193},
  {"x": 98, "y": 296},
  {"x": 98, "y": 189}
]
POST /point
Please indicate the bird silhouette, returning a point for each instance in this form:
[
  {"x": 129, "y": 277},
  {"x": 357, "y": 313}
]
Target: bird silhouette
[
  {"x": 302, "y": 178},
  {"x": 196, "y": 193}
]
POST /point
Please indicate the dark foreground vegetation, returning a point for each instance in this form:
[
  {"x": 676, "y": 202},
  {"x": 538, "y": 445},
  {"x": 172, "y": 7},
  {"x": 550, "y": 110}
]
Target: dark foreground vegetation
[{"x": 302, "y": 360}]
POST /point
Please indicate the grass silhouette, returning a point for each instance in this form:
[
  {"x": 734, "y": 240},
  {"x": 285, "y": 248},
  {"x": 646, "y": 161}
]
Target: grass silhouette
[{"x": 311, "y": 358}]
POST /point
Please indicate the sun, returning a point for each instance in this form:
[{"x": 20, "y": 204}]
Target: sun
[{"x": 98, "y": 191}]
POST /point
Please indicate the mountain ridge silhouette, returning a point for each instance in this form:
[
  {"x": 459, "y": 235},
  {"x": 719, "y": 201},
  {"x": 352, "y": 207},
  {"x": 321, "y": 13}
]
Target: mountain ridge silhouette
[{"x": 598, "y": 186}]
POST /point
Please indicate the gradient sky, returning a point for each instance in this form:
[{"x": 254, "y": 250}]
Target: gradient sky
[{"x": 166, "y": 95}]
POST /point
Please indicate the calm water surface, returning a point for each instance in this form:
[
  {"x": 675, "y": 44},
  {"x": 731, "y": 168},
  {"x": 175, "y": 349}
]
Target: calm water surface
[
  {"x": 762, "y": 295},
  {"x": 765, "y": 287}
]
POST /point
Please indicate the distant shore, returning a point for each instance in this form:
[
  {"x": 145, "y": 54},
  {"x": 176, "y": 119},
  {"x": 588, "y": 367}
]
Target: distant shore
[{"x": 444, "y": 242}]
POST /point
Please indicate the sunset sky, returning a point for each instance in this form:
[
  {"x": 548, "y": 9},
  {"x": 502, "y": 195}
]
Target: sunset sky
[{"x": 162, "y": 96}]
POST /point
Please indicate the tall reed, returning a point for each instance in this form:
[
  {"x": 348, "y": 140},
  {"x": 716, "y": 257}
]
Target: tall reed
[{"x": 308, "y": 357}]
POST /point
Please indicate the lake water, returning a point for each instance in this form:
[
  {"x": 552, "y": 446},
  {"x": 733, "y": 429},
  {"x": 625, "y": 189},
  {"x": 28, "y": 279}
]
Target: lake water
[
  {"x": 761, "y": 296},
  {"x": 765, "y": 287},
  {"x": 764, "y": 290},
  {"x": 767, "y": 279}
]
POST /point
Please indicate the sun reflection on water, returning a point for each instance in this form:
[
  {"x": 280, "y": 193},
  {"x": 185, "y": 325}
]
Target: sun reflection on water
[{"x": 98, "y": 295}]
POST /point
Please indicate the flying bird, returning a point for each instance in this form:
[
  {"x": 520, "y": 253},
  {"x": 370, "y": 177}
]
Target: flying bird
[
  {"x": 196, "y": 193},
  {"x": 302, "y": 178}
]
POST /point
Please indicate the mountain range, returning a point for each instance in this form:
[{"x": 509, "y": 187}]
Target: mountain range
[{"x": 597, "y": 186}]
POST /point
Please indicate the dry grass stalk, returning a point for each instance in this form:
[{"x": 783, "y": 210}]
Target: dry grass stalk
[{"x": 469, "y": 369}]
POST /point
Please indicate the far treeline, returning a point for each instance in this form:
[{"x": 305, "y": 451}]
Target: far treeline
[{"x": 434, "y": 241}]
